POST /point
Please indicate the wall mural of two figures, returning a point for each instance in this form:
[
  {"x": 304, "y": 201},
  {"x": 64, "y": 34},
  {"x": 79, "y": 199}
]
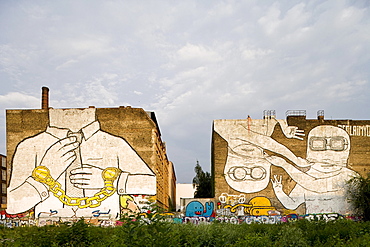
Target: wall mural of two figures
[
  {"x": 320, "y": 177},
  {"x": 74, "y": 169}
]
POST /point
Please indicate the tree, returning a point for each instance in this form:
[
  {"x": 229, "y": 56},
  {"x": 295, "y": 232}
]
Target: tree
[
  {"x": 359, "y": 196},
  {"x": 202, "y": 182}
]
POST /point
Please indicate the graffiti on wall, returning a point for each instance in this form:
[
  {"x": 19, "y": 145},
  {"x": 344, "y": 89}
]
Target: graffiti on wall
[
  {"x": 197, "y": 209},
  {"x": 236, "y": 209},
  {"x": 362, "y": 130},
  {"x": 236, "y": 205},
  {"x": 28, "y": 219},
  {"x": 229, "y": 205},
  {"x": 320, "y": 176},
  {"x": 275, "y": 219},
  {"x": 24, "y": 220},
  {"x": 74, "y": 169}
]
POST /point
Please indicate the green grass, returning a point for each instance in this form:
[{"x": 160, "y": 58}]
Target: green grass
[{"x": 299, "y": 233}]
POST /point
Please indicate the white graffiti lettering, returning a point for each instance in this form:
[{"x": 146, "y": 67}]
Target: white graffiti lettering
[{"x": 357, "y": 130}]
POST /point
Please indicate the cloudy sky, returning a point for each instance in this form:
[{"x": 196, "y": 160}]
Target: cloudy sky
[{"x": 189, "y": 61}]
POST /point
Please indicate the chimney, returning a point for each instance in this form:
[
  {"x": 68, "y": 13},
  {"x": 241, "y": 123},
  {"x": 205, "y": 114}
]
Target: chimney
[
  {"x": 320, "y": 115},
  {"x": 45, "y": 98}
]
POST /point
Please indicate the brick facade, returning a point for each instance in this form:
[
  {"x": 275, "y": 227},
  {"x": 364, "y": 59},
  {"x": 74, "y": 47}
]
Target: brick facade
[
  {"x": 4, "y": 176},
  {"x": 136, "y": 126},
  {"x": 260, "y": 159}
]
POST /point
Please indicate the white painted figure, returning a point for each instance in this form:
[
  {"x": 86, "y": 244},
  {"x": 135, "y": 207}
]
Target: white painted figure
[
  {"x": 246, "y": 168},
  {"x": 322, "y": 187},
  {"x": 75, "y": 169}
]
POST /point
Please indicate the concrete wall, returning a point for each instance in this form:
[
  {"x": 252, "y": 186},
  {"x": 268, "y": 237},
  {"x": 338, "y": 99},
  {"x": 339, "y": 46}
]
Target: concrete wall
[
  {"x": 84, "y": 162},
  {"x": 281, "y": 167},
  {"x": 183, "y": 191}
]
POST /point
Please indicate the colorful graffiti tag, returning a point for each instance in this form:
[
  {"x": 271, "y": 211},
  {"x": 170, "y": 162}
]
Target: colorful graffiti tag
[
  {"x": 230, "y": 205},
  {"x": 262, "y": 219},
  {"x": 196, "y": 208}
]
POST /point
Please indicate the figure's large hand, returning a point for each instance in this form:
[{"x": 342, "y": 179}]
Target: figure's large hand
[
  {"x": 276, "y": 183},
  {"x": 60, "y": 155},
  {"x": 87, "y": 177},
  {"x": 293, "y": 132}
]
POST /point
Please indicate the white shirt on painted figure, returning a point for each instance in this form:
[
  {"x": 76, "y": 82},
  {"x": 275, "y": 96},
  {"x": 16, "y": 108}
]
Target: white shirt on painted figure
[{"x": 99, "y": 150}]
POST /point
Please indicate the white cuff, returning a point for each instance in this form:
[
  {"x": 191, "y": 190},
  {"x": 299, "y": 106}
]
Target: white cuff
[
  {"x": 133, "y": 184},
  {"x": 41, "y": 188},
  {"x": 141, "y": 184},
  {"x": 121, "y": 184}
]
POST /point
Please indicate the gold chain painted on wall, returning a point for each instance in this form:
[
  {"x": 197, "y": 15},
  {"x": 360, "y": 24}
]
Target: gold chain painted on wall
[{"x": 42, "y": 174}]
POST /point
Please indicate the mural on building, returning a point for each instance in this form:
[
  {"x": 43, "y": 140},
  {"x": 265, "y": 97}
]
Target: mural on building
[
  {"x": 196, "y": 209},
  {"x": 319, "y": 177},
  {"x": 74, "y": 169},
  {"x": 322, "y": 187},
  {"x": 247, "y": 169}
]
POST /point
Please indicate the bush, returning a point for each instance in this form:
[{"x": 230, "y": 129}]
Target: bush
[
  {"x": 161, "y": 233},
  {"x": 76, "y": 235},
  {"x": 359, "y": 196}
]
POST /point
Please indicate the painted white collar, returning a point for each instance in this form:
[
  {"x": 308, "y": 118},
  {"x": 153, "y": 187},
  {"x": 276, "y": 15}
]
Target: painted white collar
[{"x": 88, "y": 131}]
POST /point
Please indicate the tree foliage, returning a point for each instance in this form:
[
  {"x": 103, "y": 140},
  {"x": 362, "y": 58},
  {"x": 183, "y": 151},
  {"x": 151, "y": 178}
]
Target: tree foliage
[
  {"x": 202, "y": 182},
  {"x": 359, "y": 196}
]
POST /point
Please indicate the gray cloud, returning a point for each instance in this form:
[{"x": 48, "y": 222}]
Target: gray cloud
[{"x": 191, "y": 62}]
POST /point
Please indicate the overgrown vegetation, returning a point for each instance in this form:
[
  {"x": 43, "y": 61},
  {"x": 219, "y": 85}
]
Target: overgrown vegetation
[
  {"x": 161, "y": 233},
  {"x": 359, "y": 196}
]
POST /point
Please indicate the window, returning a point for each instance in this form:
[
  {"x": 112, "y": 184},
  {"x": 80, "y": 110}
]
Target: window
[
  {"x": 3, "y": 200},
  {"x": 3, "y": 188},
  {"x": 3, "y": 161},
  {"x": 3, "y": 175}
]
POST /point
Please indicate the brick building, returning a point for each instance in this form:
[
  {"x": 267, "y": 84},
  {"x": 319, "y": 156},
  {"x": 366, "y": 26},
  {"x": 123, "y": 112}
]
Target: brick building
[
  {"x": 3, "y": 180},
  {"x": 172, "y": 187},
  {"x": 282, "y": 166},
  {"x": 122, "y": 145}
]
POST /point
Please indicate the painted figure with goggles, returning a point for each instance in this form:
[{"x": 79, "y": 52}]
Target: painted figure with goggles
[
  {"x": 322, "y": 186},
  {"x": 320, "y": 177}
]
